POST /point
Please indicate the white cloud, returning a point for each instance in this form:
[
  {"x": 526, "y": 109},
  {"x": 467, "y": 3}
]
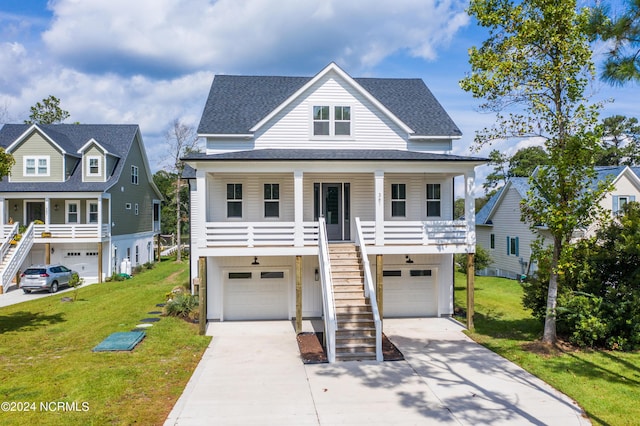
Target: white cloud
[{"x": 171, "y": 37}]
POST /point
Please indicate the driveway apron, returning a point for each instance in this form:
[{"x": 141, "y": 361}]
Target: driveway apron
[{"x": 252, "y": 374}]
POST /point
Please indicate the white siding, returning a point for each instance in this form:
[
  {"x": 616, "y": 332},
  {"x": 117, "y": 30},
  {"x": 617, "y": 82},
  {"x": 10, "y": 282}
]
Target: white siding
[{"x": 292, "y": 127}]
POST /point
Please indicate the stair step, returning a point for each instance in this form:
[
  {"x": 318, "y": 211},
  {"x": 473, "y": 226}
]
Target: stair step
[
  {"x": 356, "y": 349},
  {"x": 355, "y": 325},
  {"x": 354, "y": 310},
  {"x": 369, "y": 332},
  {"x": 356, "y": 357},
  {"x": 347, "y": 281},
  {"x": 348, "y": 287}
]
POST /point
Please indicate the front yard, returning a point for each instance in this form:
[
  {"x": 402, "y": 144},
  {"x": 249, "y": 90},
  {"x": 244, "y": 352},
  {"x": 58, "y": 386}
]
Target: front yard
[
  {"x": 605, "y": 383},
  {"x": 50, "y": 376}
]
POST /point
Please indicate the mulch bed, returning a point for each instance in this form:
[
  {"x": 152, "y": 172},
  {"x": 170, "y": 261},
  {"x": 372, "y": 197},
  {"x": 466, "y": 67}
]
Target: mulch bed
[{"x": 312, "y": 351}]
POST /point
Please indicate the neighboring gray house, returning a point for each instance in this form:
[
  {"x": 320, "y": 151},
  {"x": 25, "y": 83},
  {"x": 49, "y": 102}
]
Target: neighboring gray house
[
  {"x": 78, "y": 194},
  {"x": 508, "y": 239},
  {"x": 297, "y": 169}
]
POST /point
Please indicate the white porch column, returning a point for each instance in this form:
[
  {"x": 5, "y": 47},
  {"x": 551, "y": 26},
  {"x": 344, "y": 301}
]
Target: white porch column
[
  {"x": 201, "y": 196},
  {"x": 298, "y": 198},
  {"x": 100, "y": 217},
  {"x": 2, "y": 217},
  {"x": 470, "y": 210},
  {"x": 47, "y": 213},
  {"x": 379, "y": 206}
]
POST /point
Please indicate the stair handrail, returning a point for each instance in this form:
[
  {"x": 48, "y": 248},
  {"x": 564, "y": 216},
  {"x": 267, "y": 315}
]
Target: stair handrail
[
  {"x": 6, "y": 243},
  {"x": 330, "y": 321},
  {"x": 369, "y": 289},
  {"x": 23, "y": 246}
]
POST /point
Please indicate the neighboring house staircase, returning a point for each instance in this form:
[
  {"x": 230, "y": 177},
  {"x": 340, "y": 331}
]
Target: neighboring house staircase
[
  {"x": 356, "y": 332},
  {"x": 13, "y": 255}
]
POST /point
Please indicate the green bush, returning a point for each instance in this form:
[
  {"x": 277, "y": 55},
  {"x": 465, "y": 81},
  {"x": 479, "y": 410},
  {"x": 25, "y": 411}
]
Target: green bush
[
  {"x": 182, "y": 305},
  {"x": 482, "y": 260}
]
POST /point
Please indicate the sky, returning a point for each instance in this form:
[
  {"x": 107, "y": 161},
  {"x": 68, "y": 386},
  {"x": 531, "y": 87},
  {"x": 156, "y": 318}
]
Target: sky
[{"x": 149, "y": 62}]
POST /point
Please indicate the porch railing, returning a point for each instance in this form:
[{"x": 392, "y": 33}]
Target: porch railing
[
  {"x": 441, "y": 232},
  {"x": 17, "y": 257},
  {"x": 252, "y": 234},
  {"x": 72, "y": 231},
  {"x": 328, "y": 301},
  {"x": 9, "y": 231},
  {"x": 369, "y": 288}
]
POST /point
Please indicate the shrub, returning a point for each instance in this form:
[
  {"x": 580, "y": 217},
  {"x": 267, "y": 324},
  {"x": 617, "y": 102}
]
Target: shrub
[
  {"x": 75, "y": 281},
  {"x": 482, "y": 260},
  {"x": 183, "y": 305}
]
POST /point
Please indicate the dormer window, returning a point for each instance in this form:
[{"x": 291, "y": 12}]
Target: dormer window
[
  {"x": 36, "y": 166},
  {"x": 93, "y": 166},
  {"x": 331, "y": 121}
]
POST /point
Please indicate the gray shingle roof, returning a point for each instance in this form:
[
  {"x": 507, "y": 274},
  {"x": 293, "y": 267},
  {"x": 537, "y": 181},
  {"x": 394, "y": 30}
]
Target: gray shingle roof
[
  {"x": 329, "y": 155},
  {"x": 236, "y": 103},
  {"x": 116, "y": 138}
]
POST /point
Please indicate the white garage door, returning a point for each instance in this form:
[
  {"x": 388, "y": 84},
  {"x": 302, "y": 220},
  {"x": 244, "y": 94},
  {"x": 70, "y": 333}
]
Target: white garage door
[
  {"x": 410, "y": 292},
  {"x": 256, "y": 295},
  {"x": 83, "y": 261}
]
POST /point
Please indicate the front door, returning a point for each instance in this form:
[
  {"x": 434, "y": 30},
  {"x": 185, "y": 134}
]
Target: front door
[
  {"x": 35, "y": 211},
  {"x": 331, "y": 200}
]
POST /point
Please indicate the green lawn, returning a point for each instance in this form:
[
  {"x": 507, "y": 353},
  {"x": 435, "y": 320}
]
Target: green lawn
[
  {"x": 605, "y": 383},
  {"x": 46, "y": 357}
]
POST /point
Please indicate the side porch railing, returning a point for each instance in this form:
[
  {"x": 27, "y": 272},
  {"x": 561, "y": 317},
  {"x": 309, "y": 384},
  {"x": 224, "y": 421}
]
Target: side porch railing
[
  {"x": 328, "y": 301},
  {"x": 440, "y": 232}
]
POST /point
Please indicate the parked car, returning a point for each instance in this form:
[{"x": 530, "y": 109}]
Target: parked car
[{"x": 45, "y": 277}]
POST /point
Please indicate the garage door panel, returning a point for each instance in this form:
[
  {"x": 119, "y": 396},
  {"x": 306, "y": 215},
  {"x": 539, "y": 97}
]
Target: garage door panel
[
  {"x": 408, "y": 296},
  {"x": 255, "y": 299}
]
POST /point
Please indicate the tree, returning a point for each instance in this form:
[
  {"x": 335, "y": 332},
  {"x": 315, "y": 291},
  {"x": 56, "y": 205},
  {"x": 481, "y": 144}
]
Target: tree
[
  {"x": 622, "y": 64},
  {"x": 535, "y": 65},
  {"x": 182, "y": 140},
  {"x": 47, "y": 112},
  {"x": 521, "y": 164},
  {"x": 620, "y": 142}
]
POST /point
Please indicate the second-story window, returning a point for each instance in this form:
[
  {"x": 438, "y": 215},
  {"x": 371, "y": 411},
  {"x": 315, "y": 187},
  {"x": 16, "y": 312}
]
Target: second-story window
[
  {"x": 328, "y": 121},
  {"x": 433, "y": 199},
  {"x": 398, "y": 200},
  {"x": 93, "y": 166},
  {"x": 134, "y": 175},
  {"x": 234, "y": 200},
  {"x": 271, "y": 200},
  {"x": 36, "y": 166}
]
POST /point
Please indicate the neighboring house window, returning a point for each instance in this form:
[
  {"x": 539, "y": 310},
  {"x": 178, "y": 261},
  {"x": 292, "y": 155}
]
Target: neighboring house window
[
  {"x": 323, "y": 119},
  {"x": 398, "y": 200},
  {"x": 136, "y": 209},
  {"x": 493, "y": 241},
  {"x": 137, "y": 255},
  {"x": 433, "y": 199},
  {"x": 73, "y": 212},
  {"x": 134, "y": 175},
  {"x": 93, "y": 166},
  {"x": 93, "y": 213},
  {"x": 619, "y": 201},
  {"x": 234, "y": 200},
  {"x": 271, "y": 200},
  {"x": 36, "y": 166},
  {"x": 513, "y": 248},
  {"x": 127, "y": 206}
]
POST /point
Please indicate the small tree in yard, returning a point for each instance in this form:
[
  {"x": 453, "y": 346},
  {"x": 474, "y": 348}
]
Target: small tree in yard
[
  {"x": 536, "y": 63},
  {"x": 182, "y": 140}
]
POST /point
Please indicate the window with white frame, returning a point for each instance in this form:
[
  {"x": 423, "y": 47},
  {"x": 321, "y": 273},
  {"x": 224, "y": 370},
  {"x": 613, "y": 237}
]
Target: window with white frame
[
  {"x": 271, "y": 200},
  {"x": 93, "y": 166},
  {"x": 134, "y": 175},
  {"x": 493, "y": 241},
  {"x": 398, "y": 200},
  {"x": 73, "y": 211},
  {"x": 328, "y": 121},
  {"x": 513, "y": 246},
  {"x": 433, "y": 200},
  {"x": 619, "y": 201},
  {"x": 234, "y": 200},
  {"x": 92, "y": 213},
  {"x": 136, "y": 209},
  {"x": 36, "y": 165}
]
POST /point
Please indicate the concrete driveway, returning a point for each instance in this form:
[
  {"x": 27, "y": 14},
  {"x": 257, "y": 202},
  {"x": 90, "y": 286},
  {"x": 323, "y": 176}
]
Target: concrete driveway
[
  {"x": 15, "y": 295},
  {"x": 252, "y": 374}
]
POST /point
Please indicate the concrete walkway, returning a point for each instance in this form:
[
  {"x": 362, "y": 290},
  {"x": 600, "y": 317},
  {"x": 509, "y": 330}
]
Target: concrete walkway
[{"x": 252, "y": 374}]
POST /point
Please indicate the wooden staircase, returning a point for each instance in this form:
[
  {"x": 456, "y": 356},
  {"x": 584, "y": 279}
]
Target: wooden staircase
[
  {"x": 4, "y": 262},
  {"x": 356, "y": 332}
]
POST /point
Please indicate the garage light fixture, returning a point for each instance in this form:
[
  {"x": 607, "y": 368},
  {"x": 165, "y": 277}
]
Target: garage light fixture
[
  {"x": 255, "y": 261},
  {"x": 408, "y": 259}
]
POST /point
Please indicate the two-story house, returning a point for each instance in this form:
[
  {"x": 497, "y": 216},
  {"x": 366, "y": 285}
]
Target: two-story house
[
  {"x": 317, "y": 196},
  {"x": 78, "y": 194},
  {"x": 507, "y": 238}
]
